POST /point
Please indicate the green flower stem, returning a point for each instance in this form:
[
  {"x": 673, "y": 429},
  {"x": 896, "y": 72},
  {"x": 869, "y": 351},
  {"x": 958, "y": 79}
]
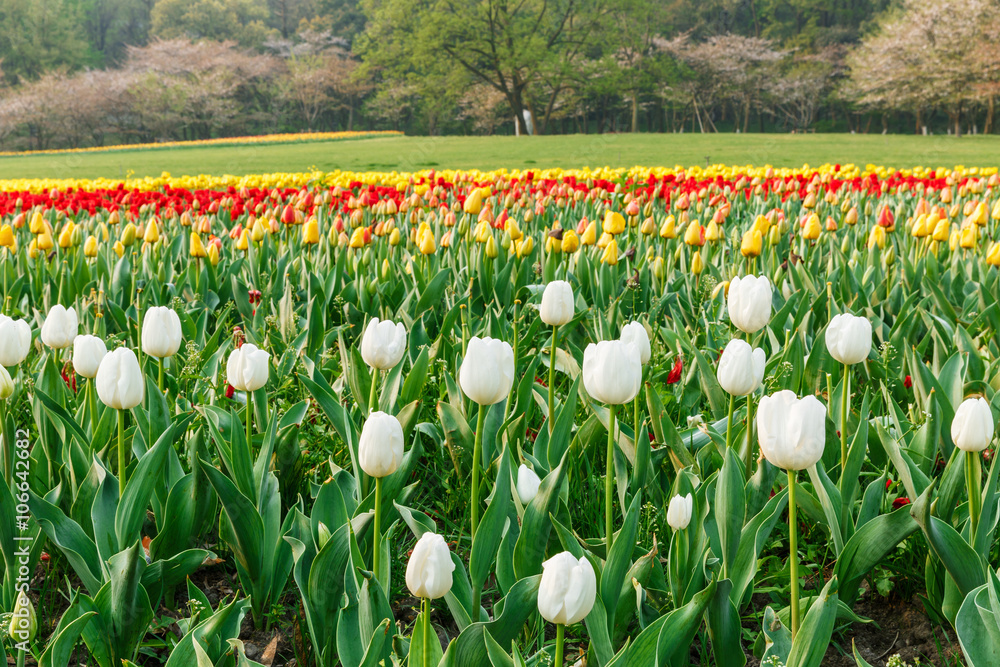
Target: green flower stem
[
  {"x": 973, "y": 480},
  {"x": 552, "y": 382},
  {"x": 513, "y": 387},
  {"x": 160, "y": 378},
  {"x": 477, "y": 454},
  {"x": 793, "y": 554},
  {"x": 373, "y": 394},
  {"x": 8, "y": 445},
  {"x": 560, "y": 630},
  {"x": 249, "y": 418},
  {"x": 843, "y": 418},
  {"x": 609, "y": 482},
  {"x": 749, "y": 459},
  {"x": 426, "y": 603},
  {"x": 92, "y": 396},
  {"x": 729, "y": 422},
  {"x": 121, "y": 454},
  {"x": 377, "y": 541}
]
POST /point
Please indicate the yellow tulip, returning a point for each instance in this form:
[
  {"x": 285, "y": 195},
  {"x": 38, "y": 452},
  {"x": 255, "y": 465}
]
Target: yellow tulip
[
  {"x": 590, "y": 234},
  {"x": 851, "y": 218},
  {"x": 37, "y": 225},
  {"x": 45, "y": 240},
  {"x": 118, "y": 248},
  {"x": 614, "y": 223},
  {"x": 970, "y": 234},
  {"x": 357, "y": 238},
  {"x": 605, "y": 239},
  {"x": 515, "y": 232},
  {"x": 920, "y": 227},
  {"x": 491, "y": 248},
  {"x": 570, "y": 241},
  {"x": 979, "y": 214},
  {"x": 152, "y": 234},
  {"x": 425, "y": 241},
  {"x": 752, "y": 242},
  {"x": 658, "y": 270},
  {"x": 809, "y": 201},
  {"x": 197, "y": 248},
  {"x": 762, "y": 225},
  {"x": 712, "y": 231},
  {"x": 942, "y": 231},
  {"x": 668, "y": 229},
  {"x": 33, "y": 249},
  {"x": 695, "y": 234},
  {"x": 812, "y": 228},
  {"x": 66, "y": 236},
  {"x": 258, "y": 231},
  {"x": 90, "y": 246},
  {"x": 648, "y": 226},
  {"x": 995, "y": 214},
  {"x": 697, "y": 265},
  {"x": 7, "y": 236},
  {"x": 524, "y": 247},
  {"x": 876, "y": 237},
  {"x": 993, "y": 256},
  {"x": 482, "y": 232},
  {"x": 310, "y": 231},
  {"x": 610, "y": 255},
  {"x": 243, "y": 241},
  {"x": 213, "y": 254},
  {"x": 473, "y": 203}
]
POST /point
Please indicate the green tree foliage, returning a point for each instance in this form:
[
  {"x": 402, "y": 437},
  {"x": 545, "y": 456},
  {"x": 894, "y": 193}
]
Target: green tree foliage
[
  {"x": 40, "y": 36},
  {"x": 243, "y": 21}
]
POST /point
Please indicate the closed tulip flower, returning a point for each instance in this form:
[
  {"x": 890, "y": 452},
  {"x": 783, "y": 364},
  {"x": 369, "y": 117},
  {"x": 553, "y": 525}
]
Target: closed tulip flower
[
  {"x": 741, "y": 369},
  {"x": 119, "y": 380},
  {"x": 749, "y": 303},
  {"x": 383, "y": 344},
  {"x": 679, "y": 511},
  {"x": 487, "y": 371},
  {"x": 428, "y": 573},
  {"x": 972, "y": 429},
  {"x": 849, "y": 338},
  {"x": 7, "y": 389},
  {"x": 567, "y": 590},
  {"x": 60, "y": 327},
  {"x": 380, "y": 447},
  {"x": 635, "y": 334},
  {"x": 612, "y": 371},
  {"x": 527, "y": 484},
  {"x": 792, "y": 431},
  {"x": 88, "y": 352},
  {"x": 247, "y": 368},
  {"x": 557, "y": 303},
  {"x": 15, "y": 341},
  {"x": 161, "y": 332}
]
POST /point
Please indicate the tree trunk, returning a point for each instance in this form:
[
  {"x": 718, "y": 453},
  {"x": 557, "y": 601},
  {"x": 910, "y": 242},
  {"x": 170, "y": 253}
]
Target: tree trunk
[
  {"x": 635, "y": 111},
  {"x": 988, "y": 126}
]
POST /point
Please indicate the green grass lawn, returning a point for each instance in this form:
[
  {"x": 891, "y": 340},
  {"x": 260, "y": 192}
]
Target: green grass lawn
[{"x": 616, "y": 150}]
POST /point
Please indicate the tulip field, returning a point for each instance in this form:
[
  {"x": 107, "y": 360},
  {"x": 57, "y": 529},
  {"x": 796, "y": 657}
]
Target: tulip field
[{"x": 602, "y": 417}]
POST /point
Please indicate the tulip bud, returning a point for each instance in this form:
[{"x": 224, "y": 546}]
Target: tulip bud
[
  {"x": 679, "y": 511},
  {"x": 161, "y": 332},
  {"x": 88, "y": 352},
  {"x": 429, "y": 570},
  {"x": 15, "y": 341},
  {"x": 567, "y": 590},
  {"x": 213, "y": 254},
  {"x": 610, "y": 254},
  {"x": 23, "y": 624},
  {"x": 741, "y": 369},
  {"x": 634, "y": 333},
  {"x": 119, "y": 381},
  {"x": 749, "y": 303},
  {"x": 7, "y": 385},
  {"x": 791, "y": 431},
  {"x": 487, "y": 372},
  {"x": 90, "y": 247},
  {"x": 612, "y": 371},
  {"x": 697, "y": 264},
  {"x": 383, "y": 344},
  {"x": 527, "y": 484},
  {"x": 60, "y": 327},
  {"x": 248, "y": 368},
  {"x": 849, "y": 338},
  {"x": 380, "y": 447},
  {"x": 524, "y": 247},
  {"x": 557, "y": 306},
  {"x": 751, "y": 244},
  {"x": 310, "y": 231},
  {"x": 972, "y": 428}
]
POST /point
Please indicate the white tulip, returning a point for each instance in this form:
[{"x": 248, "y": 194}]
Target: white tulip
[
  {"x": 612, "y": 371},
  {"x": 88, "y": 352},
  {"x": 380, "y": 447},
  {"x": 741, "y": 369},
  {"x": 15, "y": 341},
  {"x": 972, "y": 429},
  {"x": 679, "y": 511},
  {"x": 383, "y": 344},
  {"x": 527, "y": 484},
  {"x": 247, "y": 368},
  {"x": 161, "y": 332},
  {"x": 487, "y": 372},
  {"x": 636, "y": 334},
  {"x": 60, "y": 327},
  {"x": 119, "y": 380},
  {"x": 849, "y": 338},
  {"x": 749, "y": 303},
  {"x": 567, "y": 590},
  {"x": 792, "y": 431},
  {"x": 557, "y": 303},
  {"x": 428, "y": 574},
  {"x": 6, "y": 384}
]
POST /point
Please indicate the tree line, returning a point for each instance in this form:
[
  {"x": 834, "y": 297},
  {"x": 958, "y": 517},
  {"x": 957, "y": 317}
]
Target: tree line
[{"x": 99, "y": 72}]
